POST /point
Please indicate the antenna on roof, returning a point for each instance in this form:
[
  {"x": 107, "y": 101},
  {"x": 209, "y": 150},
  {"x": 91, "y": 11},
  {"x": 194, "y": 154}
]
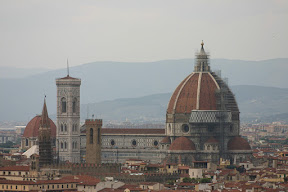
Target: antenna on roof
[{"x": 67, "y": 68}]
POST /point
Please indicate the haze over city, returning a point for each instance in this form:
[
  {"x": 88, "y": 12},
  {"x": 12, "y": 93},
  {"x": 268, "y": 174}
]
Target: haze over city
[
  {"x": 143, "y": 96},
  {"x": 43, "y": 34}
]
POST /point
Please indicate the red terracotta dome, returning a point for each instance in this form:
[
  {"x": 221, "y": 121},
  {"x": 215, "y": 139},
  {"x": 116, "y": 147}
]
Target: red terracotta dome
[
  {"x": 238, "y": 143},
  {"x": 212, "y": 140},
  {"x": 32, "y": 127},
  {"x": 181, "y": 144},
  {"x": 195, "y": 92},
  {"x": 166, "y": 140}
]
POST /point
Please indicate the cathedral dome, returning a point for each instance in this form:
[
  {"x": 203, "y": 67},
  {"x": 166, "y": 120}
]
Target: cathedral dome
[
  {"x": 32, "y": 127},
  {"x": 238, "y": 143},
  {"x": 166, "y": 140},
  {"x": 195, "y": 92},
  {"x": 199, "y": 90},
  {"x": 182, "y": 144}
]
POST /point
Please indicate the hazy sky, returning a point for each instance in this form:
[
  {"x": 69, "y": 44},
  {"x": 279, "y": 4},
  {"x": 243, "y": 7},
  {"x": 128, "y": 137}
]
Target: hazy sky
[{"x": 37, "y": 33}]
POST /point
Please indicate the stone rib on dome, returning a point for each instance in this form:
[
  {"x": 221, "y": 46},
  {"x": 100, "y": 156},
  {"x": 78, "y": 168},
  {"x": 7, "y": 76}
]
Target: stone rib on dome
[
  {"x": 182, "y": 144},
  {"x": 32, "y": 127},
  {"x": 195, "y": 92},
  {"x": 238, "y": 143}
]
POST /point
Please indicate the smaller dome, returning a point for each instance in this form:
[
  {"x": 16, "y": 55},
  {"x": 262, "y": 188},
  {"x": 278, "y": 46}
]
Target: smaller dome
[
  {"x": 166, "y": 140},
  {"x": 238, "y": 143},
  {"x": 182, "y": 144},
  {"x": 212, "y": 140},
  {"x": 31, "y": 129}
]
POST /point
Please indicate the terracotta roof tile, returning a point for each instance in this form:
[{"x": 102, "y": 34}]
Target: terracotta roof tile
[
  {"x": 238, "y": 143},
  {"x": 15, "y": 168},
  {"x": 184, "y": 98},
  {"x": 32, "y": 127},
  {"x": 182, "y": 143},
  {"x": 207, "y": 93},
  {"x": 166, "y": 140},
  {"x": 212, "y": 140}
]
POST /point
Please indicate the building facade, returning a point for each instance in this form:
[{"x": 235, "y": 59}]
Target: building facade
[
  {"x": 93, "y": 141},
  {"x": 68, "y": 119},
  {"x": 202, "y": 124}
]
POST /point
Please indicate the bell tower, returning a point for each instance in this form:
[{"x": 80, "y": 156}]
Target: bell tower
[
  {"x": 93, "y": 140},
  {"x": 68, "y": 119}
]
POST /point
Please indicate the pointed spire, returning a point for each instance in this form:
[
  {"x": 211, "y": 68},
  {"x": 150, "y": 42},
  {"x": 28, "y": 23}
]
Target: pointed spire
[
  {"x": 67, "y": 68},
  {"x": 44, "y": 117}
]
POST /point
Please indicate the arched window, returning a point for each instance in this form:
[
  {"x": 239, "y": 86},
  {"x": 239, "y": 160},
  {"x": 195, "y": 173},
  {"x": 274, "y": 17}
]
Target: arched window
[
  {"x": 27, "y": 142},
  {"x": 61, "y": 127},
  {"x": 91, "y": 135},
  {"x": 98, "y": 140},
  {"x": 208, "y": 147},
  {"x": 65, "y": 128},
  {"x": 63, "y": 105},
  {"x": 75, "y": 145},
  {"x": 74, "y": 103},
  {"x": 61, "y": 145},
  {"x": 75, "y": 128},
  {"x": 65, "y": 144}
]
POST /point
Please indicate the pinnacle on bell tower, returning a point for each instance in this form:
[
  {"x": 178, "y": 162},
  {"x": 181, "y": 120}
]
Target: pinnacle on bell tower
[
  {"x": 202, "y": 60},
  {"x": 44, "y": 138}
]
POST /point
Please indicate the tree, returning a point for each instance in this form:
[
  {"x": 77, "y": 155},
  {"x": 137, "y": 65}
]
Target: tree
[
  {"x": 205, "y": 180},
  {"x": 187, "y": 180},
  {"x": 170, "y": 182}
]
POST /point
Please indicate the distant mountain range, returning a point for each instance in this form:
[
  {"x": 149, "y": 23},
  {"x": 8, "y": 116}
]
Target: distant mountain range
[
  {"x": 256, "y": 103},
  {"x": 103, "y": 82}
]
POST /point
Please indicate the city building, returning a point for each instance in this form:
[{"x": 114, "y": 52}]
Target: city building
[
  {"x": 68, "y": 119},
  {"x": 202, "y": 124}
]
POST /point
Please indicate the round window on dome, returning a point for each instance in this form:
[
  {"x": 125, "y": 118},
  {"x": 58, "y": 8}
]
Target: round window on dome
[
  {"x": 155, "y": 143},
  {"x": 134, "y": 143},
  {"x": 112, "y": 142},
  {"x": 185, "y": 128}
]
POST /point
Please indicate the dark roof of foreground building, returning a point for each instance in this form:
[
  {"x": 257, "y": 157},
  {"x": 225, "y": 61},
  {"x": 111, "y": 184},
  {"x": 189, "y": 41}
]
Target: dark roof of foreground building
[
  {"x": 238, "y": 143},
  {"x": 181, "y": 144}
]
